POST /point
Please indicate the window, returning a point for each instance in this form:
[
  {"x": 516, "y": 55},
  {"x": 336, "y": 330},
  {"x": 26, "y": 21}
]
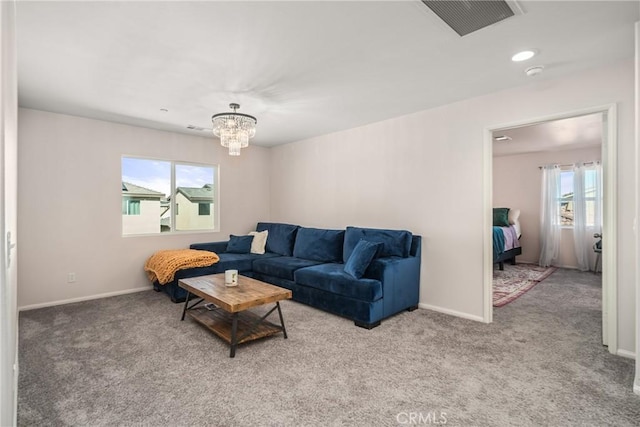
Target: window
[
  {"x": 194, "y": 189},
  {"x": 567, "y": 202},
  {"x": 152, "y": 190},
  {"x": 130, "y": 207},
  {"x": 204, "y": 209},
  {"x": 590, "y": 196},
  {"x": 566, "y": 198}
]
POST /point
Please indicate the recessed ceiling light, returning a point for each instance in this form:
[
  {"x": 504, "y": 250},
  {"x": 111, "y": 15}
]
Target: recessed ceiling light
[
  {"x": 502, "y": 138},
  {"x": 523, "y": 56}
]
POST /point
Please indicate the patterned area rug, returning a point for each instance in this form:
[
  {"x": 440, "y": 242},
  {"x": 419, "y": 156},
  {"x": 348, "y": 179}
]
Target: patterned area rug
[{"x": 515, "y": 280}]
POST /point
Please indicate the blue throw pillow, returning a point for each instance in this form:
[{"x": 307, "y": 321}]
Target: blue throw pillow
[
  {"x": 361, "y": 257},
  {"x": 239, "y": 244}
]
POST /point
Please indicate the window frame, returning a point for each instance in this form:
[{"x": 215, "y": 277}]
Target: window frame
[{"x": 172, "y": 197}]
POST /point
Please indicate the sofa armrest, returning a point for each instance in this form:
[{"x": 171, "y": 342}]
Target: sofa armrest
[
  {"x": 217, "y": 247},
  {"x": 416, "y": 246},
  {"x": 400, "y": 279}
]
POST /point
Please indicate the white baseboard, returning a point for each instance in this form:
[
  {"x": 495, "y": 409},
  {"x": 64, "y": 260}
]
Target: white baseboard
[
  {"x": 636, "y": 387},
  {"x": 625, "y": 353},
  {"x": 87, "y": 298},
  {"x": 451, "y": 312}
]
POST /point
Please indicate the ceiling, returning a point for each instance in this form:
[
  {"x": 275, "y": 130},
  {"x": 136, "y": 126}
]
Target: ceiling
[
  {"x": 566, "y": 134},
  {"x": 302, "y": 68}
]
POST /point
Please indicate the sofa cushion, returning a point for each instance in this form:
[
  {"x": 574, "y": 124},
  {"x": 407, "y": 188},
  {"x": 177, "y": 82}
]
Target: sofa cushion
[
  {"x": 319, "y": 244},
  {"x": 394, "y": 242},
  {"x": 332, "y": 278},
  {"x": 282, "y": 266},
  {"x": 240, "y": 262},
  {"x": 281, "y": 237},
  {"x": 239, "y": 244},
  {"x": 361, "y": 257}
]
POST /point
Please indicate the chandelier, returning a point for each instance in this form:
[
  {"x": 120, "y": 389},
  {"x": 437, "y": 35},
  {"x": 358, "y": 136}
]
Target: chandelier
[{"x": 234, "y": 129}]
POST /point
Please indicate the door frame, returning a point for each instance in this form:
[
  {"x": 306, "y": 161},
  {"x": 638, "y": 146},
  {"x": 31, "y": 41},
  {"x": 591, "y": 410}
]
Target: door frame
[
  {"x": 609, "y": 208},
  {"x": 8, "y": 216}
]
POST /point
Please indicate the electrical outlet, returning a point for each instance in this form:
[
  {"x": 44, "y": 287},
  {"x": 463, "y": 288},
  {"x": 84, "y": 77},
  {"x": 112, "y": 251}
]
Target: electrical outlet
[{"x": 71, "y": 278}]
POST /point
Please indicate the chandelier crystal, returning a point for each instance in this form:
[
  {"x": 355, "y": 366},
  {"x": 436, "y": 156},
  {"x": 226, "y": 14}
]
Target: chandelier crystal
[{"x": 234, "y": 129}]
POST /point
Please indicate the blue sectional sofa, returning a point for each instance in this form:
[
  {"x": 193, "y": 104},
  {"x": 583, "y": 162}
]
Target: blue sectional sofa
[{"x": 311, "y": 263}]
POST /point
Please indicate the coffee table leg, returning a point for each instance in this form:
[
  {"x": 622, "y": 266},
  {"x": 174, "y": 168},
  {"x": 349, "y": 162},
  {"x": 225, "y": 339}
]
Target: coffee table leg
[
  {"x": 186, "y": 302},
  {"x": 284, "y": 331},
  {"x": 234, "y": 334}
]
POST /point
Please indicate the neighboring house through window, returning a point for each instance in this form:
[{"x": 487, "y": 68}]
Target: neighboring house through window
[
  {"x": 195, "y": 207},
  {"x": 140, "y": 209}
]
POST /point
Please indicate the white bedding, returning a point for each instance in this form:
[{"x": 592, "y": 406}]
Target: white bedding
[
  {"x": 514, "y": 219},
  {"x": 516, "y": 225}
]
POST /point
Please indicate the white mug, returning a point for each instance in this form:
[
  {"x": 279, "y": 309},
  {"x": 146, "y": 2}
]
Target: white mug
[{"x": 231, "y": 277}]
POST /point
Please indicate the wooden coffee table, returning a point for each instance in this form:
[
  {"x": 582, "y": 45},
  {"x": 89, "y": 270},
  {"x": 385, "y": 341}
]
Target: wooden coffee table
[{"x": 227, "y": 313}]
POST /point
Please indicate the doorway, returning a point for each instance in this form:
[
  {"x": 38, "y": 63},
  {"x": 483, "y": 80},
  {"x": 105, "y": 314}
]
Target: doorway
[{"x": 608, "y": 156}]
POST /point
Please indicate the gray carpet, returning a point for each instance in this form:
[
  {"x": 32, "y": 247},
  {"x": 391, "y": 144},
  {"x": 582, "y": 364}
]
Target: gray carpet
[{"x": 128, "y": 360}]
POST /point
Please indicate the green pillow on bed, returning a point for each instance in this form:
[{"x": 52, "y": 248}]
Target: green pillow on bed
[{"x": 500, "y": 217}]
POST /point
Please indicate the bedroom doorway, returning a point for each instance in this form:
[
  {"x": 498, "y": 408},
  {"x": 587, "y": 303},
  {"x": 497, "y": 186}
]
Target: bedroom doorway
[{"x": 607, "y": 117}]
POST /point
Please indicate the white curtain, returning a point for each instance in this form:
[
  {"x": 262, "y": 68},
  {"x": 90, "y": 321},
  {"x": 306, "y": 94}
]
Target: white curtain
[
  {"x": 587, "y": 210},
  {"x": 550, "y": 218}
]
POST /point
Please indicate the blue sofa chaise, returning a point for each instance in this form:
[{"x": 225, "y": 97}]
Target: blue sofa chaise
[{"x": 311, "y": 263}]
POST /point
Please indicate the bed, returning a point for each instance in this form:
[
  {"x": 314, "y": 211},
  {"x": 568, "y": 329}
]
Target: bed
[{"x": 506, "y": 236}]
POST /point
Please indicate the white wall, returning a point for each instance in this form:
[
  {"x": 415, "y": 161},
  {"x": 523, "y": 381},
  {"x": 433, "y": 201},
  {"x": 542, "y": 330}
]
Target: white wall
[
  {"x": 8, "y": 217},
  {"x": 517, "y": 184},
  {"x": 423, "y": 172},
  {"x": 64, "y": 159}
]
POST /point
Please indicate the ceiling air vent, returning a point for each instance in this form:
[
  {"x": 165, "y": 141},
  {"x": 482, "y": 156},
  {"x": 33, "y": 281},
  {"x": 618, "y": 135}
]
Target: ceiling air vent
[
  {"x": 467, "y": 16},
  {"x": 502, "y": 138},
  {"x": 194, "y": 127}
]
